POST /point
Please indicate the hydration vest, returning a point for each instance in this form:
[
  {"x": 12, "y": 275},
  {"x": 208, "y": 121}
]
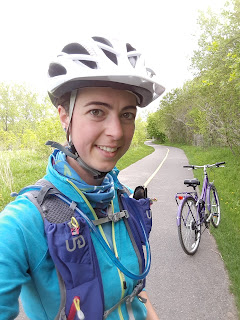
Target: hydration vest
[{"x": 71, "y": 248}]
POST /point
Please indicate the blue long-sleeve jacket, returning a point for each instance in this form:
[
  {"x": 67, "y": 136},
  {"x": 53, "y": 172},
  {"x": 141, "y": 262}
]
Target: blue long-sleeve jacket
[{"x": 27, "y": 270}]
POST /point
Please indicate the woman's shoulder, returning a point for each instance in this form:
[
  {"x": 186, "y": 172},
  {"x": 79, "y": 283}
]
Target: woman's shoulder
[
  {"x": 22, "y": 237},
  {"x": 21, "y": 212}
]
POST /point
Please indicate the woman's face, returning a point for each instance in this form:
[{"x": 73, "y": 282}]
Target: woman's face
[{"x": 103, "y": 124}]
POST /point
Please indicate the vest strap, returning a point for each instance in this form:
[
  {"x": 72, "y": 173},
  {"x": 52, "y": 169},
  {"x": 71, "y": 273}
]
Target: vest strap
[
  {"x": 115, "y": 217},
  {"x": 137, "y": 289}
]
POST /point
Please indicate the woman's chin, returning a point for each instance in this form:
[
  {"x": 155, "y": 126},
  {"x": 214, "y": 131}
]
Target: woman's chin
[{"x": 105, "y": 168}]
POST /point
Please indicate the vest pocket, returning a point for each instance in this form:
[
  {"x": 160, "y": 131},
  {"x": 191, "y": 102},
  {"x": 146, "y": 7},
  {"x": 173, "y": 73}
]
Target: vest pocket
[
  {"x": 71, "y": 253},
  {"x": 139, "y": 211}
]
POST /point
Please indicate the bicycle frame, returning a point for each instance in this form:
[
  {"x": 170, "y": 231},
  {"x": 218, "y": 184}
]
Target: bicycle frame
[
  {"x": 196, "y": 211},
  {"x": 203, "y": 202}
]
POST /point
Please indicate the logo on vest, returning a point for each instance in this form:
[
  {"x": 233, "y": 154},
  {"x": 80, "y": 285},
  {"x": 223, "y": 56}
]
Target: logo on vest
[{"x": 77, "y": 242}]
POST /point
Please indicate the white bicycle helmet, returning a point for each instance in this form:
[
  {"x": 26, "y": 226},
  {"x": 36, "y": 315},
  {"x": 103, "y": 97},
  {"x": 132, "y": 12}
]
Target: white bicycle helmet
[{"x": 101, "y": 62}]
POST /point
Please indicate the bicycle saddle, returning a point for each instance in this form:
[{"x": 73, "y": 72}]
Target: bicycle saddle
[{"x": 192, "y": 182}]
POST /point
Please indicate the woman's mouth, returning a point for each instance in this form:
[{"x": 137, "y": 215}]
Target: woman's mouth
[{"x": 108, "y": 149}]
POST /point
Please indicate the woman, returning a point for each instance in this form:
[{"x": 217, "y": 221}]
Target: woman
[{"x": 96, "y": 86}]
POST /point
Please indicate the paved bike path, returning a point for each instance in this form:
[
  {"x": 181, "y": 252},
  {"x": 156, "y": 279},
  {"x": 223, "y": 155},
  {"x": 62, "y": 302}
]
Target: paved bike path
[{"x": 181, "y": 287}]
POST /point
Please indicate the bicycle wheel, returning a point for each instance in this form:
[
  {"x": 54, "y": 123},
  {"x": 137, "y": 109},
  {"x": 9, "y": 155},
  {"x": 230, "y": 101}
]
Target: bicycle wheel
[
  {"x": 189, "y": 229},
  {"x": 214, "y": 207}
]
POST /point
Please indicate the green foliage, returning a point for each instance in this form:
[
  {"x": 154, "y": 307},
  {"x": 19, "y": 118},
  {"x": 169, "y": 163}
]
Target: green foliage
[
  {"x": 140, "y": 134},
  {"x": 48, "y": 129},
  {"x": 206, "y": 110},
  {"x": 8, "y": 140},
  {"x": 154, "y": 128},
  {"x": 26, "y": 120},
  {"x": 19, "y": 168},
  {"x": 28, "y": 139},
  {"x": 8, "y": 110}
]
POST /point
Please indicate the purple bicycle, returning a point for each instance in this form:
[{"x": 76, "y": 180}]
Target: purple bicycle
[{"x": 195, "y": 212}]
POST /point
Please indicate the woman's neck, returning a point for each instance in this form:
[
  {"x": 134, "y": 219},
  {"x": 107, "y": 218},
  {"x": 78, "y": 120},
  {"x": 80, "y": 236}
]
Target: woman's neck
[{"x": 84, "y": 174}]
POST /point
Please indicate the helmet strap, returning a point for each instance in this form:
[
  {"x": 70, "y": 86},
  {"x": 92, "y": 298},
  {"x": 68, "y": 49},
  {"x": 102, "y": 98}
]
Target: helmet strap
[
  {"x": 73, "y": 98},
  {"x": 73, "y": 153},
  {"x": 96, "y": 174}
]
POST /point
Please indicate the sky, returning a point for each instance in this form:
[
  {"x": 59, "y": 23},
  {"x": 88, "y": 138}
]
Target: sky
[{"x": 33, "y": 32}]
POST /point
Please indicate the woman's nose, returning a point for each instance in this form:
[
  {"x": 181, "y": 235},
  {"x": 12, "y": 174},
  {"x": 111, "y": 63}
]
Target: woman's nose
[{"x": 114, "y": 128}]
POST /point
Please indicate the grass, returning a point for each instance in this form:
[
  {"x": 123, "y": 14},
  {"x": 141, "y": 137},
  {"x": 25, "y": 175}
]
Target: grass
[
  {"x": 24, "y": 167},
  {"x": 227, "y": 182},
  {"x": 133, "y": 155}
]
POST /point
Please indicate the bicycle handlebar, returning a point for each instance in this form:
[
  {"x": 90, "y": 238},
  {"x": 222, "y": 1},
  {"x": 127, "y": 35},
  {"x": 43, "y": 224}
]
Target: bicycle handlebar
[{"x": 218, "y": 164}]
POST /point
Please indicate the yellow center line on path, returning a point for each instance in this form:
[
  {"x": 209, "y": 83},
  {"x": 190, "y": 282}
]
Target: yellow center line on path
[{"x": 156, "y": 171}]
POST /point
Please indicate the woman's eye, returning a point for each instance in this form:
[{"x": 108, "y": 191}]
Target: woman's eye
[
  {"x": 96, "y": 112},
  {"x": 129, "y": 115}
]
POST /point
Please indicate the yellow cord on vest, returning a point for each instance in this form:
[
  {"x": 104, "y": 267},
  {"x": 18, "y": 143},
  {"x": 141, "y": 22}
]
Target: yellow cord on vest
[
  {"x": 90, "y": 208},
  {"x": 74, "y": 222}
]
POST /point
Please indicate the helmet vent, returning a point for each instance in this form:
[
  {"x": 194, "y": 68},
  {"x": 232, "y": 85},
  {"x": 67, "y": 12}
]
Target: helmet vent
[
  {"x": 109, "y": 54},
  {"x": 129, "y": 47},
  {"x": 76, "y": 48},
  {"x": 56, "y": 69},
  {"x": 133, "y": 59}
]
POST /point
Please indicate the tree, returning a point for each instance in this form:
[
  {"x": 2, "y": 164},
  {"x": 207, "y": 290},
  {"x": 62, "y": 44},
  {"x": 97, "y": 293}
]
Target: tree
[
  {"x": 8, "y": 110},
  {"x": 140, "y": 134},
  {"x": 154, "y": 128},
  {"x": 217, "y": 61},
  {"x": 208, "y": 106},
  {"x": 25, "y": 117}
]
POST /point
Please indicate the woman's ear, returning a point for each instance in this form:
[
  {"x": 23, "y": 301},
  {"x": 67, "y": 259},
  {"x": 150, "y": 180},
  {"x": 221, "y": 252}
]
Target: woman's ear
[{"x": 64, "y": 118}]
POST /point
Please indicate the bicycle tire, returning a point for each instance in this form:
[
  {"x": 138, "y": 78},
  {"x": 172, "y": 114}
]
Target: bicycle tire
[
  {"x": 214, "y": 207},
  {"x": 189, "y": 229}
]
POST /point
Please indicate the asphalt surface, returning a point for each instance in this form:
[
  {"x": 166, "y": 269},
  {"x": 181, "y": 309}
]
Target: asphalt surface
[{"x": 179, "y": 286}]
